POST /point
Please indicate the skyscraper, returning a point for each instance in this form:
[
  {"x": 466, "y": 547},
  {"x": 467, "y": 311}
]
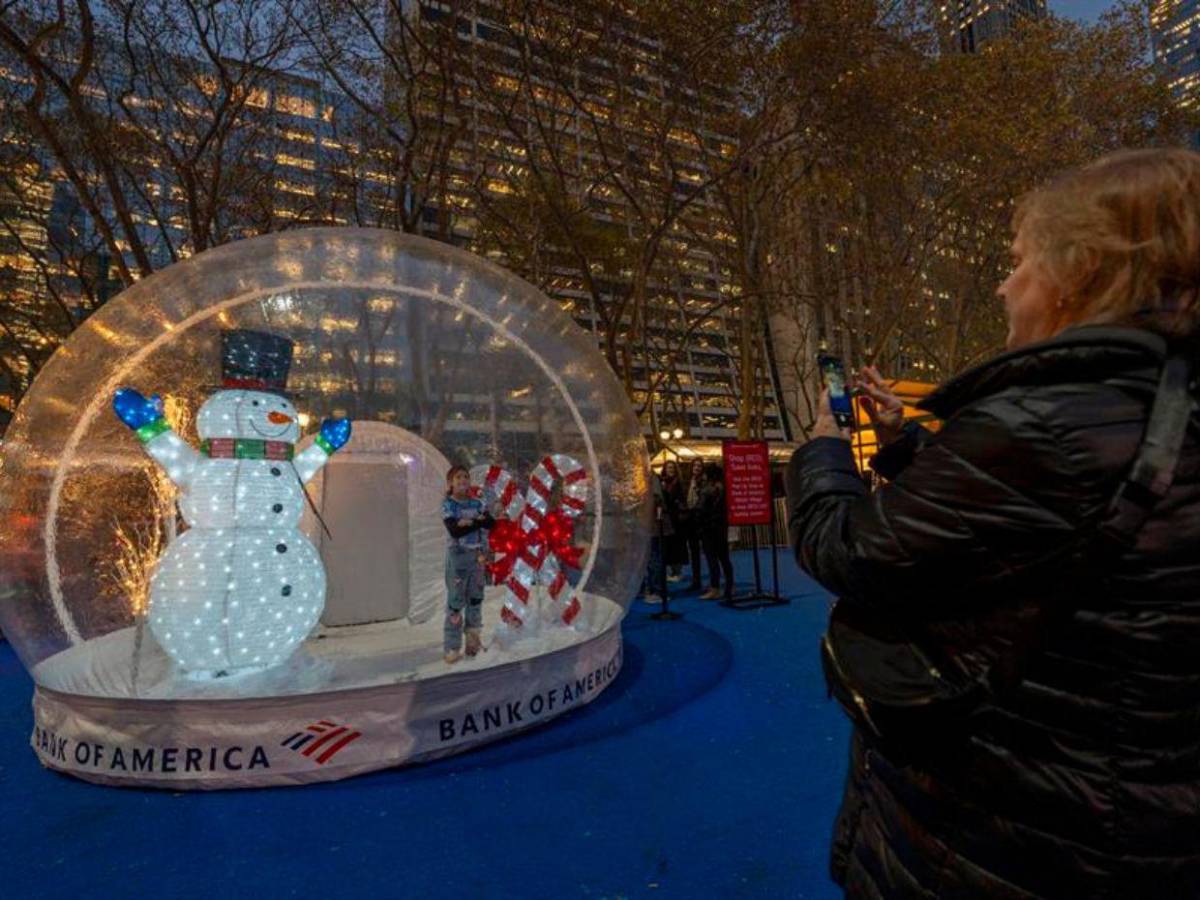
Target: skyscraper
[
  {"x": 680, "y": 352},
  {"x": 973, "y": 23},
  {"x": 1176, "y": 26},
  {"x": 55, "y": 269},
  {"x": 671, "y": 317}
]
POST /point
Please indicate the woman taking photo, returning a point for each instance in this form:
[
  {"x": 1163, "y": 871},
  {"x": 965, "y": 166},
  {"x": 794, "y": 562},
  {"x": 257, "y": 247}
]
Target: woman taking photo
[{"x": 1078, "y": 777}]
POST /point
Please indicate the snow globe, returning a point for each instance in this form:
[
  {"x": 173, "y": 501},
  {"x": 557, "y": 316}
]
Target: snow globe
[{"x": 224, "y": 557}]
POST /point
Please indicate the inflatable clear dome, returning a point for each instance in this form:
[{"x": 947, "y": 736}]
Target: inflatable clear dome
[{"x": 231, "y": 552}]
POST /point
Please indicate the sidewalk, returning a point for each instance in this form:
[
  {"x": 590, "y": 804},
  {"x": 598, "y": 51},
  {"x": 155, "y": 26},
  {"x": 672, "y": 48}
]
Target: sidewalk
[{"x": 712, "y": 767}]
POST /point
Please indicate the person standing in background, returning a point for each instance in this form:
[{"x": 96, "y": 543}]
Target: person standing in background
[
  {"x": 714, "y": 533},
  {"x": 675, "y": 509},
  {"x": 655, "y": 579},
  {"x": 691, "y": 523}
]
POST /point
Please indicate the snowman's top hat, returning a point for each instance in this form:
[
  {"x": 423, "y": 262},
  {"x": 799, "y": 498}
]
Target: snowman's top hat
[{"x": 255, "y": 360}]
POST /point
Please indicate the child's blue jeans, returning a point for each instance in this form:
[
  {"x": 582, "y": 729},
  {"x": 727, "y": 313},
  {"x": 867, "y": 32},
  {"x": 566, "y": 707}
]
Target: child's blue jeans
[{"x": 464, "y": 595}]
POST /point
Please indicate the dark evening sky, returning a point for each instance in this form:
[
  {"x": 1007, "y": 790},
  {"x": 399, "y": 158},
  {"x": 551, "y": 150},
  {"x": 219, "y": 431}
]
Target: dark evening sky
[{"x": 1087, "y": 10}]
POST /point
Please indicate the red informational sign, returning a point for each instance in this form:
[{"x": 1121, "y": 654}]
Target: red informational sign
[{"x": 747, "y": 482}]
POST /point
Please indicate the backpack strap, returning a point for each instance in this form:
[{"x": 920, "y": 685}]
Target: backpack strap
[
  {"x": 1150, "y": 477},
  {"x": 1153, "y": 470}
]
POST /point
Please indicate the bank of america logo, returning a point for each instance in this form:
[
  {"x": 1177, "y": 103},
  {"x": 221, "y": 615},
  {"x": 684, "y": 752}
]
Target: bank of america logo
[{"x": 321, "y": 741}]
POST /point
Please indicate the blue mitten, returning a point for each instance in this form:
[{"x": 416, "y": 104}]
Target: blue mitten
[
  {"x": 335, "y": 433},
  {"x": 135, "y": 410}
]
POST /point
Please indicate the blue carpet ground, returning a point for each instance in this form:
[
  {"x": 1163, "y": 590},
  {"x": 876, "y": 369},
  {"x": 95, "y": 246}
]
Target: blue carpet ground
[{"x": 711, "y": 768}]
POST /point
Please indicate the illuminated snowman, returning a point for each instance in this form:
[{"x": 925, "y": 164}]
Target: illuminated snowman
[{"x": 242, "y": 587}]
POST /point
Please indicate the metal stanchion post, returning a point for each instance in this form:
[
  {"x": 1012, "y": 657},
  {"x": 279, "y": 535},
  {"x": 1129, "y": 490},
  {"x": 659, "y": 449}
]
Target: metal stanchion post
[{"x": 665, "y": 613}]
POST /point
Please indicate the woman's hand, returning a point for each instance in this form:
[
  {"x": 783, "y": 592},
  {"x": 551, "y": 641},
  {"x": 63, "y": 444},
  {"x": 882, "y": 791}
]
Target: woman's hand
[
  {"x": 826, "y": 425},
  {"x": 884, "y": 408}
]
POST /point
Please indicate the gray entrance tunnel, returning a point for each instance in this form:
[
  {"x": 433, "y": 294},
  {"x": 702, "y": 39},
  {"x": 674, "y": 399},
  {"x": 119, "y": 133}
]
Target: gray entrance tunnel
[{"x": 380, "y": 498}]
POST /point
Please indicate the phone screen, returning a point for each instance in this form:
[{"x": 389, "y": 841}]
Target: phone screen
[{"x": 833, "y": 375}]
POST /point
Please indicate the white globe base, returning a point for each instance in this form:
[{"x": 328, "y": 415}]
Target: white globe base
[{"x": 350, "y": 700}]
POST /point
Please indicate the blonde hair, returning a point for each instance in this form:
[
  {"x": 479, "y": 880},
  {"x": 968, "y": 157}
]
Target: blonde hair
[{"x": 1121, "y": 238}]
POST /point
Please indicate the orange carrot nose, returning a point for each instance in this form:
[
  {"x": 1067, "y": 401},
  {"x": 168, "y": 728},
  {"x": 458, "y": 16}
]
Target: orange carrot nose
[{"x": 278, "y": 418}]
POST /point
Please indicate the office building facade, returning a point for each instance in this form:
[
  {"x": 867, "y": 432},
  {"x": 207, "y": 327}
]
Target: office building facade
[
  {"x": 1176, "y": 28},
  {"x": 692, "y": 315},
  {"x": 55, "y": 269},
  {"x": 972, "y": 23}
]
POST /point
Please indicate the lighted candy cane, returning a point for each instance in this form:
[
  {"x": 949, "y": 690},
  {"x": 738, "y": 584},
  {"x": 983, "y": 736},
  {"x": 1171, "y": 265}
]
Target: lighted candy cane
[
  {"x": 498, "y": 484},
  {"x": 542, "y": 535},
  {"x": 557, "y": 467},
  {"x": 493, "y": 483}
]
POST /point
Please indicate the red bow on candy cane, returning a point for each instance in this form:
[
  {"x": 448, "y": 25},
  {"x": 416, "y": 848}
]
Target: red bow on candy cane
[
  {"x": 508, "y": 542},
  {"x": 555, "y": 536}
]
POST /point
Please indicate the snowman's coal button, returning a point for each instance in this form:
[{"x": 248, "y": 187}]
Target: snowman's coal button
[
  {"x": 277, "y": 508},
  {"x": 275, "y": 471},
  {"x": 286, "y": 590},
  {"x": 281, "y": 548}
]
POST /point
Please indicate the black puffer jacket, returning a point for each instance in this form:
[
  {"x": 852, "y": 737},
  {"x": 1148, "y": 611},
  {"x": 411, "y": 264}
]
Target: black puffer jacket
[
  {"x": 712, "y": 520},
  {"x": 1084, "y": 781}
]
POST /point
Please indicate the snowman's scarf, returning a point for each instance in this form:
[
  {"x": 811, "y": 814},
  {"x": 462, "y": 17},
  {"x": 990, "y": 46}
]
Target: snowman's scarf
[{"x": 246, "y": 448}]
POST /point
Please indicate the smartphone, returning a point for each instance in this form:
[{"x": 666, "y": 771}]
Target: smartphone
[{"x": 833, "y": 376}]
